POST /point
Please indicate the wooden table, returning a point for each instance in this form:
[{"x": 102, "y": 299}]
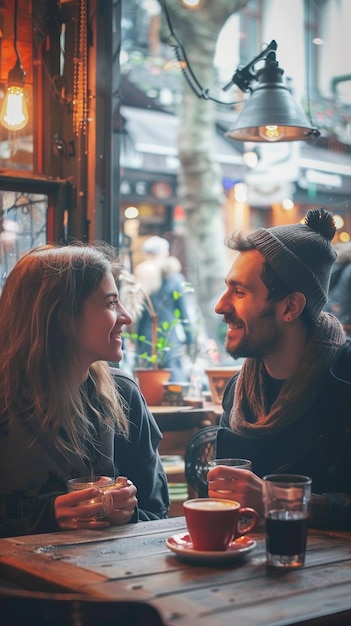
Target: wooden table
[{"x": 133, "y": 562}]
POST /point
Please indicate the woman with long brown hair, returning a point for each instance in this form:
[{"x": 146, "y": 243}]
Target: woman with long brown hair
[{"x": 64, "y": 412}]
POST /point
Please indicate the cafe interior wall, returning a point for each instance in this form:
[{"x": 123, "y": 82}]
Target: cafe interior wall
[
  {"x": 66, "y": 49},
  {"x": 25, "y": 159}
]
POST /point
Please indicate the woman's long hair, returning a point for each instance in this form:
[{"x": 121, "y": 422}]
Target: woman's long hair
[{"x": 40, "y": 307}]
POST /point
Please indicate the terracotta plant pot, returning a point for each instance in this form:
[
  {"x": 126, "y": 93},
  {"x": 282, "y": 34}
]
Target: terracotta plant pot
[{"x": 151, "y": 383}]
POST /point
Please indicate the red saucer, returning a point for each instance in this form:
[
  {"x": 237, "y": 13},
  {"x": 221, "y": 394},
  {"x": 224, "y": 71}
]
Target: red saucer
[{"x": 182, "y": 546}]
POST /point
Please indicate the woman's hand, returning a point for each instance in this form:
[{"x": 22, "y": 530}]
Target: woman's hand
[
  {"x": 124, "y": 501},
  {"x": 236, "y": 484},
  {"x": 71, "y": 513},
  {"x": 113, "y": 506}
]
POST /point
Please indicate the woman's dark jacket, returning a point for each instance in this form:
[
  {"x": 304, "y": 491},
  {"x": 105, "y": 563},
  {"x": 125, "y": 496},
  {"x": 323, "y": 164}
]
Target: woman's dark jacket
[
  {"x": 35, "y": 473},
  {"x": 317, "y": 445}
]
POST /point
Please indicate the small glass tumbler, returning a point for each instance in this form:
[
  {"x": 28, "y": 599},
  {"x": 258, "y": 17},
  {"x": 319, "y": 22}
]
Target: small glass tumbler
[
  {"x": 103, "y": 483},
  {"x": 238, "y": 463},
  {"x": 286, "y": 499}
]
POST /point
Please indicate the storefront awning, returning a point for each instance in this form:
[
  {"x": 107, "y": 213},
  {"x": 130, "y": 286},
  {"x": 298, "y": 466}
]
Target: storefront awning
[{"x": 151, "y": 143}]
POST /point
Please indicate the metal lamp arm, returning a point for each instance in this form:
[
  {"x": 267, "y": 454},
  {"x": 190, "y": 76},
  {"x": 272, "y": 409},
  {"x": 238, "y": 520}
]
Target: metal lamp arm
[{"x": 243, "y": 76}]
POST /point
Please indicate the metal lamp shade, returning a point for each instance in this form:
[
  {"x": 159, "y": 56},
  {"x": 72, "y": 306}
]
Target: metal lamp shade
[{"x": 271, "y": 114}]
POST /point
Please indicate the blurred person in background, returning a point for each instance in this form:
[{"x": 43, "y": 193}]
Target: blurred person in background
[{"x": 161, "y": 277}]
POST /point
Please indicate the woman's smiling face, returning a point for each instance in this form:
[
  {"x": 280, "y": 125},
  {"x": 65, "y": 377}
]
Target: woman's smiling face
[{"x": 100, "y": 325}]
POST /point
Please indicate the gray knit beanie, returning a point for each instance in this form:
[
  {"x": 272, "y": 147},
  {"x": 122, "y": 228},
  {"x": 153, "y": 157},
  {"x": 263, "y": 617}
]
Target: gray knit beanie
[{"x": 302, "y": 255}]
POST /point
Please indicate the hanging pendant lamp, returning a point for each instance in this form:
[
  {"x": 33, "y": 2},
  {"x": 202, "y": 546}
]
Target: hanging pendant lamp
[
  {"x": 14, "y": 113},
  {"x": 271, "y": 113}
]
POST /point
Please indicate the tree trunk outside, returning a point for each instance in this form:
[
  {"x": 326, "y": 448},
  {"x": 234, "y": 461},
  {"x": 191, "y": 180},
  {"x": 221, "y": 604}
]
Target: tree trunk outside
[{"x": 200, "y": 186}]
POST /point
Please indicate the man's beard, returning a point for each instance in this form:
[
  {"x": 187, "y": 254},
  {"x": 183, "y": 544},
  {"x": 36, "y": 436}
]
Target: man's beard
[{"x": 262, "y": 339}]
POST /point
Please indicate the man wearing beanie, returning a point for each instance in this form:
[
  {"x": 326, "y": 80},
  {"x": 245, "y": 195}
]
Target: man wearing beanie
[{"x": 289, "y": 408}]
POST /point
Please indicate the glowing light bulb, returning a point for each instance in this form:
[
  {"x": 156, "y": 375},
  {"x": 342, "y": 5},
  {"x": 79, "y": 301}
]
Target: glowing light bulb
[
  {"x": 131, "y": 212},
  {"x": 271, "y": 133},
  {"x": 14, "y": 113}
]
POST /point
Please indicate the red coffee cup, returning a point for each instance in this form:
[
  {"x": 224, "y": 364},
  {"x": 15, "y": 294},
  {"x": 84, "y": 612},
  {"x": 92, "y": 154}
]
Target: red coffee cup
[{"x": 213, "y": 523}]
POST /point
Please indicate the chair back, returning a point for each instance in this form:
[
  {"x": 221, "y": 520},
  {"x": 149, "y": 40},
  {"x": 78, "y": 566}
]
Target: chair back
[{"x": 200, "y": 449}]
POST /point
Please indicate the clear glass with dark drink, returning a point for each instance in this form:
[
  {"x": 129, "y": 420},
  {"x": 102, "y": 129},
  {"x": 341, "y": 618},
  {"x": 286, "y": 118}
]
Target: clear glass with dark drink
[{"x": 286, "y": 500}]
